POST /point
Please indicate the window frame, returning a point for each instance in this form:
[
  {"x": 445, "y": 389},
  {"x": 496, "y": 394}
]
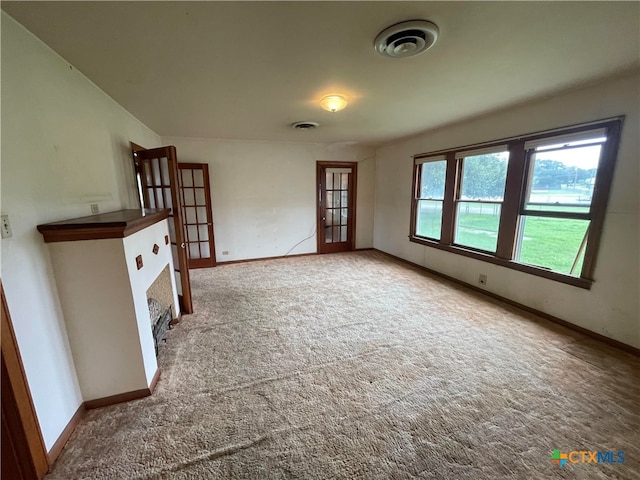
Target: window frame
[
  {"x": 418, "y": 192},
  {"x": 460, "y": 157},
  {"x": 514, "y": 197}
]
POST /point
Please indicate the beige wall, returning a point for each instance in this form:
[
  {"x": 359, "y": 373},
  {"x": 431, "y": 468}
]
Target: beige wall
[
  {"x": 611, "y": 307},
  {"x": 263, "y": 193},
  {"x": 65, "y": 145}
]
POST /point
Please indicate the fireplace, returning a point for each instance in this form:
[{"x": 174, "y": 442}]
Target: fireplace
[
  {"x": 107, "y": 266},
  {"x": 160, "y": 303}
]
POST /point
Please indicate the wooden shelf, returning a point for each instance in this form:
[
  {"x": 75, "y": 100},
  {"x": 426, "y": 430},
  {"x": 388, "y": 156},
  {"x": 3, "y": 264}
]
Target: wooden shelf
[{"x": 118, "y": 224}]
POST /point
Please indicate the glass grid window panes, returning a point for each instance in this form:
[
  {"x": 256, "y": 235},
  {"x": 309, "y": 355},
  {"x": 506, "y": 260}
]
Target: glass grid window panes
[
  {"x": 555, "y": 219},
  {"x": 563, "y": 176},
  {"x": 544, "y": 218},
  {"x": 480, "y": 198},
  {"x": 430, "y": 198}
]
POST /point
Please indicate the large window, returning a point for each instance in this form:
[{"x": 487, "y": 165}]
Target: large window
[
  {"x": 534, "y": 203},
  {"x": 431, "y": 183},
  {"x": 480, "y": 197}
]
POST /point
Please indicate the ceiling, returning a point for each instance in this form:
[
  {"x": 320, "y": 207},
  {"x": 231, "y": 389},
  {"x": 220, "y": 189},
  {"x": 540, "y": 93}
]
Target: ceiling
[{"x": 247, "y": 70}]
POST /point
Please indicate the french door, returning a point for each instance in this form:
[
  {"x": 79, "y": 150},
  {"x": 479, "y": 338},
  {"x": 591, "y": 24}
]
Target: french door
[
  {"x": 336, "y": 195},
  {"x": 195, "y": 200},
  {"x": 157, "y": 176}
]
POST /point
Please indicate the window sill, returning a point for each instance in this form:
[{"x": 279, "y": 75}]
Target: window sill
[{"x": 487, "y": 257}]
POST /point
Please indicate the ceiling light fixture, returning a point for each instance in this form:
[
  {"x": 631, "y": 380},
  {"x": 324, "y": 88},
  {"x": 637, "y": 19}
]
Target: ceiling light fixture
[{"x": 333, "y": 103}]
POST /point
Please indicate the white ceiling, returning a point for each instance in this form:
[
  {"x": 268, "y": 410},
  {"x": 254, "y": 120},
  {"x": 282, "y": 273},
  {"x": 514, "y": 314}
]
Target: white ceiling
[{"x": 247, "y": 70}]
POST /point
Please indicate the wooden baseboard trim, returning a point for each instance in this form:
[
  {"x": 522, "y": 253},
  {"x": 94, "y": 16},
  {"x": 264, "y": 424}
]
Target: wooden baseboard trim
[
  {"x": 231, "y": 262},
  {"x": 176, "y": 320},
  {"x": 54, "y": 453},
  {"x": 364, "y": 249},
  {"x": 56, "y": 449},
  {"x": 154, "y": 382},
  {"x": 609, "y": 341},
  {"x": 119, "y": 398}
]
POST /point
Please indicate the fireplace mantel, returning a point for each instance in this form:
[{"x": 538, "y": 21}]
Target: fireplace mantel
[
  {"x": 118, "y": 224},
  {"x": 104, "y": 265}
]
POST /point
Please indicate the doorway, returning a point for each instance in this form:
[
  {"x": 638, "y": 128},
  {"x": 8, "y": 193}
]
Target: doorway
[
  {"x": 157, "y": 178},
  {"x": 336, "y": 184},
  {"x": 195, "y": 199}
]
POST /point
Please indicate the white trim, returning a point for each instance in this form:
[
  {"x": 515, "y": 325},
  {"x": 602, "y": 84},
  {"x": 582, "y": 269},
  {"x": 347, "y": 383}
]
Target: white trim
[
  {"x": 436, "y": 158},
  {"x": 565, "y": 139}
]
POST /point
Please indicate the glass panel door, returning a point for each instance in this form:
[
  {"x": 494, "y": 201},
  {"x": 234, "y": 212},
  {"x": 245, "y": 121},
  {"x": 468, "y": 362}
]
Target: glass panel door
[{"x": 336, "y": 206}]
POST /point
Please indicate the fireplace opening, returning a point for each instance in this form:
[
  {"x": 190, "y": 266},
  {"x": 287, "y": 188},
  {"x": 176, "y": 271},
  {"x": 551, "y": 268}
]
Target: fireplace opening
[
  {"x": 160, "y": 303},
  {"x": 160, "y": 320}
]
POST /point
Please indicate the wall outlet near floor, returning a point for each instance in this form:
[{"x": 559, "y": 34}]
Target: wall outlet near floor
[
  {"x": 482, "y": 279},
  {"x": 6, "y": 227},
  {"x": 225, "y": 252},
  {"x": 94, "y": 208}
]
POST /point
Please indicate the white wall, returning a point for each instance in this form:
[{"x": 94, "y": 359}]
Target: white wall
[
  {"x": 263, "y": 193},
  {"x": 65, "y": 145},
  {"x": 611, "y": 307}
]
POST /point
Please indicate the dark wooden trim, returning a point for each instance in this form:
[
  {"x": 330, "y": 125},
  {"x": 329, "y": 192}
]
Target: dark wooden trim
[
  {"x": 521, "y": 267},
  {"x": 135, "y": 147},
  {"x": 508, "y": 228},
  {"x": 526, "y": 137},
  {"x": 601, "y": 193},
  {"x": 518, "y": 173},
  {"x": 119, "y": 398},
  {"x": 322, "y": 247},
  {"x": 169, "y": 152},
  {"x": 154, "y": 381},
  {"x": 63, "y": 438},
  {"x": 24, "y": 424},
  {"x": 494, "y": 296},
  {"x": 416, "y": 181},
  {"x": 176, "y": 320},
  {"x": 452, "y": 180},
  {"x": 364, "y": 249},
  {"x": 118, "y": 224},
  {"x": 247, "y": 260},
  {"x": 210, "y": 261}
]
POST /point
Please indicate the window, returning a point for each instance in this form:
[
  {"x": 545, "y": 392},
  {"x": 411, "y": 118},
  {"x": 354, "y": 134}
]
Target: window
[
  {"x": 480, "y": 198},
  {"x": 534, "y": 203},
  {"x": 555, "y": 217},
  {"x": 432, "y": 173}
]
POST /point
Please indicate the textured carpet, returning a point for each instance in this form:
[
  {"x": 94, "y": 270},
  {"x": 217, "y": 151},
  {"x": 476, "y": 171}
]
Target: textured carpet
[{"x": 358, "y": 366}]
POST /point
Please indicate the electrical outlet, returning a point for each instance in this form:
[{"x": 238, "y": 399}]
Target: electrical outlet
[
  {"x": 6, "y": 227},
  {"x": 94, "y": 208},
  {"x": 482, "y": 279},
  {"x": 225, "y": 252}
]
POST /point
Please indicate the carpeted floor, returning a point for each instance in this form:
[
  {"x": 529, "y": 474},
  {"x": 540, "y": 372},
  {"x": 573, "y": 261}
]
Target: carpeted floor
[{"x": 356, "y": 366}]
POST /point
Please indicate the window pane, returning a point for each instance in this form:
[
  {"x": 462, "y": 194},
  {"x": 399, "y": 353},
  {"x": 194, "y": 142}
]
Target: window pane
[
  {"x": 433, "y": 180},
  {"x": 552, "y": 243},
  {"x": 484, "y": 176},
  {"x": 563, "y": 179},
  {"x": 477, "y": 225},
  {"x": 429, "y": 221}
]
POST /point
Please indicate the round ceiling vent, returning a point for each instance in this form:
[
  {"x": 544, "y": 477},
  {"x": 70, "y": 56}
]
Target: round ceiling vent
[
  {"x": 305, "y": 125},
  {"x": 406, "y": 39}
]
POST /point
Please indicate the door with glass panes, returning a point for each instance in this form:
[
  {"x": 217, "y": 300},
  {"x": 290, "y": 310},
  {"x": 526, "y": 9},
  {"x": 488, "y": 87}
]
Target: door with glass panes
[
  {"x": 195, "y": 197},
  {"x": 336, "y": 188}
]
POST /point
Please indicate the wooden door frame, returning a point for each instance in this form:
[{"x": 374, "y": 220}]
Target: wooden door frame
[
  {"x": 186, "y": 301},
  {"x": 321, "y": 183},
  {"x": 17, "y": 404},
  {"x": 195, "y": 263}
]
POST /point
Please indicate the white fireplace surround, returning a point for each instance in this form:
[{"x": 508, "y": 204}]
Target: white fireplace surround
[{"x": 104, "y": 301}]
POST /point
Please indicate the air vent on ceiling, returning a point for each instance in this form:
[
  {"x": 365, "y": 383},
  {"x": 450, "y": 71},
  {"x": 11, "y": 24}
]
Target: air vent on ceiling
[
  {"x": 305, "y": 125},
  {"x": 406, "y": 39}
]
